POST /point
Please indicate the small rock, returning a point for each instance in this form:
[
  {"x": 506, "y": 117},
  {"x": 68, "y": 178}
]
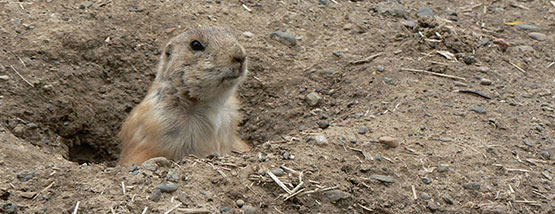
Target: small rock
[
  {"x": 337, "y": 53},
  {"x": 27, "y": 195},
  {"x": 451, "y": 12},
  {"x": 313, "y": 98},
  {"x": 425, "y": 196},
  {"x": 25, "y": 176},
  {"x": 426, "y": 180},
  {"x": 479, "y": 110},
  {"x": 362, "y": 130},
  {"x": 284, "y": 38},
  {"x": 85, "y": 5},
  {"x": 432, "y": 206},
  {"x": 155, "y": 196},
  {"x": 19, "y": 129},
  {"x": 485, "y": 81},
  {"x": 173, "y": 176},
  {"x": 527, "y": 27},
  {"x": 460, "y": 84},
  {"x": 537, "y": 36},
  {"x": 408, "y": 24},
  {"x": 443, "y": 168},
  {"x": 454, "y": 18},
  {"x": 378, "y": 157},
  {"x": 380, "y": 68},
  {"x": 4, "y": 77},
  {"x": 278, "y": 171},
  {"x": 8, "y": 207},
  {"x": 493, "y": 209},
  {"x": 336, "y": 195},
  {"x": 547, "y": 175},
  {"x": 240, "y": 203},
  {"x": 469, "y": 60},
  {"x": 153, "y": 163},
  {"x": 132, "y": 9},
  {"x": 445, "y": 139},
  {"x": 170, "y": 30},
  {"x": 471, "y": 186},
  {"x": 425, "y": 11},
  {"x": 224, "y": 209},
  {"x": 388, "y": 80},
  {"x": 323, "y": 124},
  {"x": 321, "y": 140},
  {"x": 389, "y": 141},
  {"x": 483, "y": 42},
  {"x": 248, "y": 34},
  {"x": 545, "y": 155},
  {"x": 324, "y": 2},
  {"x": 249, "y": 209},
  {"x": 348, "y": 26},
  {"x": 522, "y": 48},
  {"x": 328, "y": 71},
  {"x": 447, "y": 198},
  {"x": 383, "y": 178},
  {"x": 167, "y": 188},
  {"x": 134, "y": 170},
  {"x": 529, "y": 143}
]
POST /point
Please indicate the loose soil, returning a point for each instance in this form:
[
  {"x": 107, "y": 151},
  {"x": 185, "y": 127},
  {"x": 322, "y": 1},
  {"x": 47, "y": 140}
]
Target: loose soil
[{"x": 72, "y": 71}]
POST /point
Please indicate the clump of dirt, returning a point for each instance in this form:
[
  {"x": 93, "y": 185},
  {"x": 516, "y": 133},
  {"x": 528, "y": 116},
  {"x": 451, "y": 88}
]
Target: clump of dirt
[{"x": 475, "y": 132}]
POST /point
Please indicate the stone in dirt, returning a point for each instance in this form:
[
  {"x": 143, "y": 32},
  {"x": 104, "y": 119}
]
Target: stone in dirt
[
  {"x": 153, "y": 163},
  {"x": 313, "y": 98},
  {"x": 471, "y": 185},
  {"x": 168, "y": 188},
  {"x": 527, "y": 27},
  {"x": 383, "y": 178},
  {"x": 389, "y": 141},
  {"x": 321, "y": 140},
  {"x": 278, "y": 171},
  {"x": 284, "y": 38},
  {"x": 447, "y": 198},
  {"x": 155, "y": 196},
  {"x": 537, "y": 36},
  {"x": 336, "y": 195}
]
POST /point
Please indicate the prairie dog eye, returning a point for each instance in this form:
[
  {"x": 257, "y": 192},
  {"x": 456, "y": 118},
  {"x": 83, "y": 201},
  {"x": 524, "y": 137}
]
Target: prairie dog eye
[{"x": 197, "y": 46}]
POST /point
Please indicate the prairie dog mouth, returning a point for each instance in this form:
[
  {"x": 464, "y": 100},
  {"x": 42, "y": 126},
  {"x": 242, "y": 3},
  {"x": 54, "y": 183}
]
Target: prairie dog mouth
[{"x": 233, "y": 73}]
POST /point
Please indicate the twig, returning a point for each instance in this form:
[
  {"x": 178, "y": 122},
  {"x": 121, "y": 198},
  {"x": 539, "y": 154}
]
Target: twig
[
  {"x": 278, "y": 182},
  {"x": 516, "y": 66},
  {"x": 18, "y": 74},
  {"x": 144, "y": 210},
  {"x": 46, "y": 188},
  {"x": 550, "y": 64},
  {"x": 123, "y": 187},
  {"x": 112, "y": 210},
  {"x": 365, "y": 208},
  {"x": 247, "y": 8},
  {"x": 467, "y": 91},
  {"x": 413, "y": 192},
  {"x": 433, "y": 73},
  {"x": 518, "y": 170},
  {"x": 194, "y": 211},
  {"x": 173, "y": 208},
  {"x": 367, "y": 59},
  {"x": 293, "y": 195},
  {"x": 76, "y": 208},
  {"x": 22, "y": 61}
]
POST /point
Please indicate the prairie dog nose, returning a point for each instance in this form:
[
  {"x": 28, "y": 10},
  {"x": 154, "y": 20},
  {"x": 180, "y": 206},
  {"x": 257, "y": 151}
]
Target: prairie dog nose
[{"x": 240, "y": 55}]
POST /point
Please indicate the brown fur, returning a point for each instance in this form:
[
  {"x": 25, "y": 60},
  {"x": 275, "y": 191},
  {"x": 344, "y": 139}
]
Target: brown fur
[{"x": 191, "y": 106}]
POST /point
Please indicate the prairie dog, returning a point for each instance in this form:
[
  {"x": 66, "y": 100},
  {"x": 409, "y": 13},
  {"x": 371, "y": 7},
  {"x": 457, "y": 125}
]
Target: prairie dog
[{"x": 191, "y": 106}]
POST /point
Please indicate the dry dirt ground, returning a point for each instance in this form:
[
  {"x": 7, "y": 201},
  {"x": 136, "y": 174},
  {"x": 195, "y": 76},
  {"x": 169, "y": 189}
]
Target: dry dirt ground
[{"x": 72, "y": 70}]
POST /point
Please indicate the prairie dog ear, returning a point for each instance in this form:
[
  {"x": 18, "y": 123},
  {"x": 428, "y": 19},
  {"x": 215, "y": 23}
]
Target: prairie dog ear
[{"x": 166, "y": 57}]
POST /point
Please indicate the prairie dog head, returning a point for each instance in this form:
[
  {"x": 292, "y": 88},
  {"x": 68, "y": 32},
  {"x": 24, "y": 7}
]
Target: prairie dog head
[{"x": 203, "y": 64}]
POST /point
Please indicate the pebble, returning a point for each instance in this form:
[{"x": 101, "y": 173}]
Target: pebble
[
  {"x": 483, "y": 42},
  {"x": 485, "y": 81},
  {"x": 469, "y": 60},
  {"x": 324, "y": 2},
  {"x": 378, "y": 157},
  {"x": 224, "y": 209},
  {"x": 348, "y": 26},
  {"x": 362, "y": 130},
  {"x": 388, "y": 80},
  {"x": 19, "y": 129},
  {"x": 4, "y": 77},
  {"x": 471, "y": 186},
  {"x": 425, "y": 11},
  {"x": 134, "y": 170},
  {"x": 337, "y": 53},
  {"x": 545, "y": 155},
  {"x": 383, "y": 178},
  {"x": 433, "y": 206},
  {"x": 493, "y": 209},
  {"x": 25, "y": 176},
  {"x": 323, "y": 124},
  {"x": 529, "y": 143},
  {"x": 426, "y": 180},
  {"x": 447, "y": 198},
  {"x": 479, "y": 110},
  {"x": 425, "y": 196},
  {"x": 154, "y": 163},
  {"x": 240, "y": 203},
  {"x": 85, "y": 5},
  {"x": 173, "y": 176},
  {"x": 248, "y": 34},
  {"x": 380, "y": 68},
  {"x": 443, "y": 168},
  {"x": 8, "y": 207},
  {"x": 336, "y": 195},
  {"x": 460, "y": 84},
  {"x": 168, "y": 188},
  {"x": 313, "y": 98},
  {"x": 321, "y": 140},
  {"x": 278, "y": 171},
  {"x": 284, "y": 37},
  {"x": 527, "y": 27},
  {"x": 445, "y": 139},
  {"x": 451, "y": 12},
  {"x": 522, "y": 48},
  {"x": 389, "y": 141},
  {"x": 408, "y": 24},
  {"x": 155, "y": 196},
  {"x": 249, "y": 209},
  {"x": 537, "y": 36}
]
